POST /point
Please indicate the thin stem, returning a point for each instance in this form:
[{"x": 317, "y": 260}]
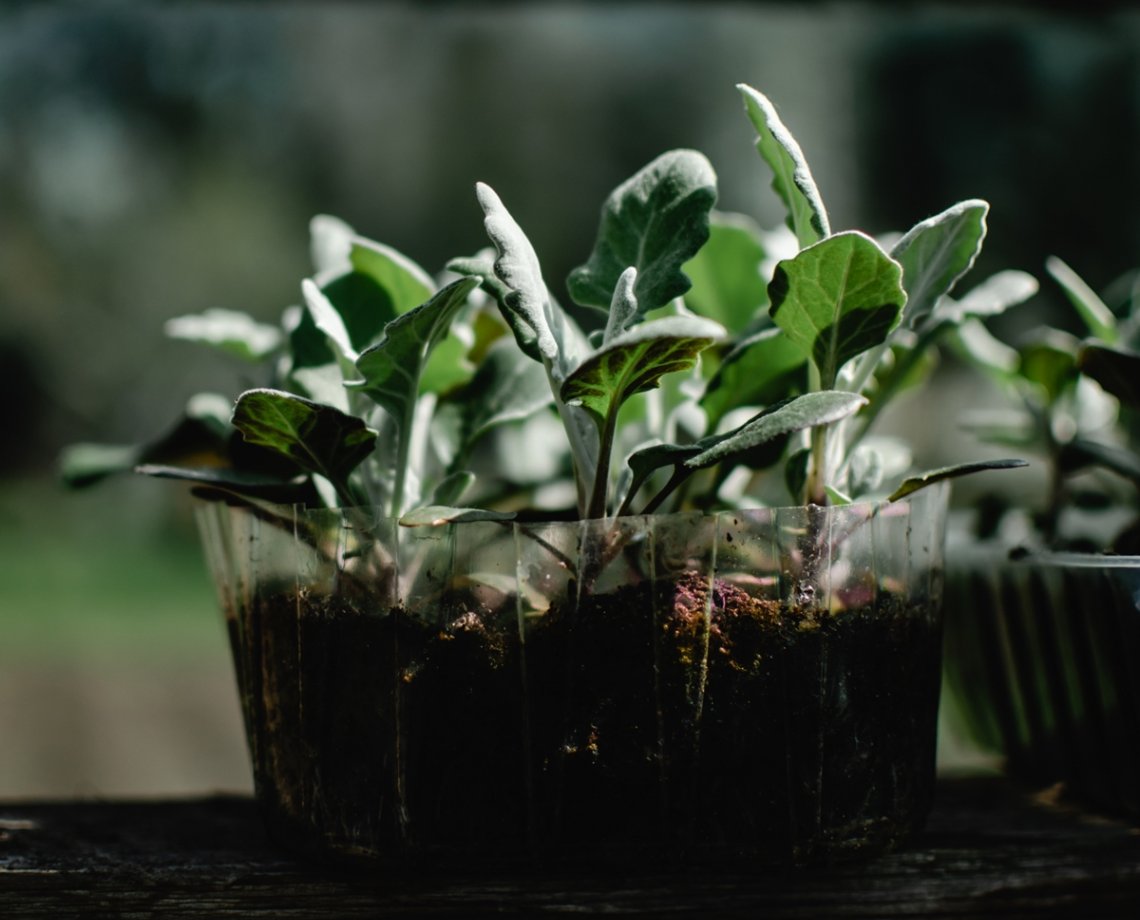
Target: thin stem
[{"x": 597, "y": 506}]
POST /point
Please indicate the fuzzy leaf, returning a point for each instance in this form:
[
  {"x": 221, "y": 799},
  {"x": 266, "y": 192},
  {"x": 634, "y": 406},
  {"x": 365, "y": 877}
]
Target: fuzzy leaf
[
  {"x": 935, "y": 253},
  {"x": 725, "y": 273},
  {"x": 1096, "y": 315},
  {"x": 526, "y": 303},
  {"x": 806, "y": 411},
  {"x": 991, "y": 297},
  {"x": 914, "y": 483},
  {"x": 506, "y": 388},
  {"x": 791, "y": 178},
  {"x": 789, "y": 416},
  {"x": 636, "y": 360},
  {"x": 318, "y": 438},
  {"x": 1115, "y": 369},
  {"x": 655, "y": 221},
  {"x": 393, "y": 367},
  {"x": 623, "y": 307},
  {"x": 976, "y": 344},
  {"x": 759, "y": 370},
  {"x": 837, "y": 299},
  {"x": 328, "y": 321},
  {"x": 228, "y": 330}
]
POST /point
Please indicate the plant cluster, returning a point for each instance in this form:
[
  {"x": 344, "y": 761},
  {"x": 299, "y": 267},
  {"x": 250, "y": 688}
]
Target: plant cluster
[
  {"x": 704, "y": 360},
  {"x": 1075, "y": 402}
]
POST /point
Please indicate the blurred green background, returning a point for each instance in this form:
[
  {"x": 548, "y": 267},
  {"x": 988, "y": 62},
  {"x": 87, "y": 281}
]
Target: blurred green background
[{"x": 162, "y": 159}]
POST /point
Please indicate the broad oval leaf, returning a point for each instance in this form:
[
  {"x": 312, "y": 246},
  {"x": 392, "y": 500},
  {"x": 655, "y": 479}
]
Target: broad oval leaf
[
  {"x": 393, "y": 367},
  {"x": 636, "y": 360},
  {"x": 725, "y": 273},
  {"x": 329, "y": 321},
  {"x": 318, "y": 438},
  {"x": 914, "y": 483},
  {"x": 655, "y": 221},
  {"x": 837, "y": 299},
  {"x": 935, "y": 253},
  {"x": 231, "y": 331},
  {"x": 807, "y": 411},
  {"x": 791, "y": 178}
]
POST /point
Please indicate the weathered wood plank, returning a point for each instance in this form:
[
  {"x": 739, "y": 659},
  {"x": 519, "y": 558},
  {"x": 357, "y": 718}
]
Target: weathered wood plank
[{"x": 988, "y": 851}]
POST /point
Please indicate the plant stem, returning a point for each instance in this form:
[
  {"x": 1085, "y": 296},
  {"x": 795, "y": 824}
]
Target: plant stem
[{"x": 597, "y": 506}]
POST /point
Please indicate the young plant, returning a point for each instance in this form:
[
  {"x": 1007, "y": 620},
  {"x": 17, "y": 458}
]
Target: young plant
[
  {"x": 1075, "y": 403},
  {"x": 386, "y": 387}
]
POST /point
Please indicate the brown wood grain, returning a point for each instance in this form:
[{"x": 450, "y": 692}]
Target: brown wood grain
[{"x": 989, "y": 850}]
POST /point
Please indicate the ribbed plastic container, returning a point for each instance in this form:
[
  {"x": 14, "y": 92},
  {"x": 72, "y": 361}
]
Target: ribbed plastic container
[
  {"x": 755, "y": 688},
  {"x": 1042, "y": 658}
]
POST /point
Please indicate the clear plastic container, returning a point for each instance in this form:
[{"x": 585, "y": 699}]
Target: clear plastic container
[{"x": 754, "y": 687}]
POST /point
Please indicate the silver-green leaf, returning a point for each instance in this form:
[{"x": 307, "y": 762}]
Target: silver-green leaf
[
  {"x": 393, "y": 366},
  {"x": 935, "y": 253},
  {"x": 914, "y": 483},
  {"x": 655, "y": 221},
  {"x": 228, "y": 330},
  {"x": 791, "y": 178}
]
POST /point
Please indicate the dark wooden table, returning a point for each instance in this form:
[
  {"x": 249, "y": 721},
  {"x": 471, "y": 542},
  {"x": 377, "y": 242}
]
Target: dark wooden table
[{"x": 989, "y": 850}]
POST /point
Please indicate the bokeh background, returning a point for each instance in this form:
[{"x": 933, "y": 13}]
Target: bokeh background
[{"x": 158, "y": 159}]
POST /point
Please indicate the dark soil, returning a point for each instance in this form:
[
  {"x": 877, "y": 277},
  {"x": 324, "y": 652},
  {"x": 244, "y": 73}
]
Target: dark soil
[{"x": 633, "y": 728}]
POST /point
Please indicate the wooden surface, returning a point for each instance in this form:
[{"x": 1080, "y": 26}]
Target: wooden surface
[{"x": 988, "y": 851}]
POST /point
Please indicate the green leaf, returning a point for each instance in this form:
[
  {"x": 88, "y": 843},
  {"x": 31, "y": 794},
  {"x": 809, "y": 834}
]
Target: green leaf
[
  {"x": 200, "y": 436},
  {"x": 318, "y": 438},
  {"x": 725, "y": 273},
  {"x": 991, "y": 297},
  {"x": 1116, "y": 369},
  {"x": 636, "y": 360},
  {"x": 393, "y": 367},
  {"x": 329, "y": 322},
  {"x": 482, "y": 264},
  {"x": 914, "y": 483},
  {"x": 623, "y": 307},
  {"x": 791, "y": 178},
  {"x": 935, "y": 253},
  {"x": 507, "y": 387},
  {"x": 246, "y": 482},
  {"x": 436, "y": 515},
  {"x": 1048, "y": 358},
  {"x": 807, "y": 411},
  {"x": 837, "y": 299},
  {"x": 228, "y": 330},
  {"x": 787, "y": 417},
  {"x": 976, "y": 344},
  {"x": 1096, "y": 315},
  {"x": 655, "y": 221},
  {"x": 761, "y": 369},
  {"x": 402, "y": 280},
  {"x": 1083, "y": 451},
  {"x": 330, "y": 241},
  {"x": 451, "y": 488},
  {"x": 527, "y": 305}
]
